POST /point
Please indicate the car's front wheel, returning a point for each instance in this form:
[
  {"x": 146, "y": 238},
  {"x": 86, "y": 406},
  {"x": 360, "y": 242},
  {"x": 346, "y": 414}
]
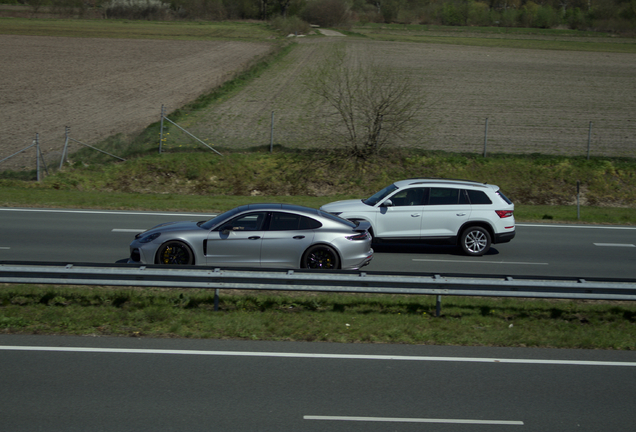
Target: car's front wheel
[
  {"x": 320, "y": 257},
  {"x": 475, "y": 241},
  {"x": 175, "y": 253}
]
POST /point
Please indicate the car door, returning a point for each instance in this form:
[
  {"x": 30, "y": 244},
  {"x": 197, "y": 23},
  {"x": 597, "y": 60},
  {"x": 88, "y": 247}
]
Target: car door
[
  {"x": 237, "y": 243},
  {"x": 400, "y": 216},
  {"x": 446, "y": 211},
  {"x": 286, "y": 238}
]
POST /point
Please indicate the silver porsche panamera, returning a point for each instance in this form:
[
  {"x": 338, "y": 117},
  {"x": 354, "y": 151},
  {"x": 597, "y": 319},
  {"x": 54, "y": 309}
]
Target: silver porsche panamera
[{"x": 258, "y": 235}]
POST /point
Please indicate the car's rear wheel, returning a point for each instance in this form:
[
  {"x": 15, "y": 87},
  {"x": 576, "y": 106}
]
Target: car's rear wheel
[
  {"x": 475, "y": 241},
  {"x": 175, "y": 253},
  {"x": 320, "y": 257}
]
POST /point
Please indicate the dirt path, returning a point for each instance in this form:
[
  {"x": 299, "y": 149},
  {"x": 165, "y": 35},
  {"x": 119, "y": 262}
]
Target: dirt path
[
  {"x": 328, "y": 32},
  {"x": 101, "y": 87}
]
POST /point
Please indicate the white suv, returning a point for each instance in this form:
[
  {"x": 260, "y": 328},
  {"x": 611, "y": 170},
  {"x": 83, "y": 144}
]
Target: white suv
[{"x": 469, "y": 214}]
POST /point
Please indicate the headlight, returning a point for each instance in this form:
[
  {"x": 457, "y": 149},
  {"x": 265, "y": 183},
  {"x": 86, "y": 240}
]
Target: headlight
[{"x": 149, "y": 238}]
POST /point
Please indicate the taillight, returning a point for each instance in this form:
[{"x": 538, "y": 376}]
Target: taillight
[
  {"x": 504, "y": 213},
  {"x": 359, "y": 236}
]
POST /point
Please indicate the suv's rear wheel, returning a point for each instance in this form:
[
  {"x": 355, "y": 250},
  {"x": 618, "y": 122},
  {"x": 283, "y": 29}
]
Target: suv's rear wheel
[{"x": 475, "y": 241}]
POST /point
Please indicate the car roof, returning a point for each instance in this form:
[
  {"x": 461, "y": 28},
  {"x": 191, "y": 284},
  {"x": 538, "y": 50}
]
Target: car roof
[
  {"x": 443, "y": 182},
  {"x": 278, "y": 206}
]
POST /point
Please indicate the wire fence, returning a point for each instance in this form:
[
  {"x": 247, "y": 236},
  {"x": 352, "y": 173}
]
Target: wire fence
[{"x": 485, "y": 136}]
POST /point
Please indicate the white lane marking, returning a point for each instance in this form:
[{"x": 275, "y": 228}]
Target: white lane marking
[
  {"x": 314, "y": 355},
  {"x": 108, "y": 212},
  {"x": 5, "y": 247},
  {"x": 614, "y": 244},
  {"x": 576, "y": 226},
  {"x": 123, "y": 230},
  {"x": 415, "y": 420},
  {"x": 479, "y": 262}
]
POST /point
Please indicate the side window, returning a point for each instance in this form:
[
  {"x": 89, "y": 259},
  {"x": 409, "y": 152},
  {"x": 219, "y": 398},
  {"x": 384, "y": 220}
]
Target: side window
[
  {"x": 410, "y": 197},
  {"x": 247, "y": 222},
  {"x": 478, "y": 197},
  {"x": 444, "y": 196},
  {"x": 309, "y": 223},
  {"x": 288, "y": 221},
  {"x": 284, "y": 222}
]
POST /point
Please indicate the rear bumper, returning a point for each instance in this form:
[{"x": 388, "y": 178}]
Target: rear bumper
[
  {"x": 504, "y": 237},
  {"x": 359, "y": 263}
]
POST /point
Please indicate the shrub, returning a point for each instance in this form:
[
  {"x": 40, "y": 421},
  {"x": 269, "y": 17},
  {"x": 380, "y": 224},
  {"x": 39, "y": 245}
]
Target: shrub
[
  {"x": 212, "y": 10},
  {"x": 575, "y": 19},
  {"x": 509, "y": 18},
  {"x": 546, "y": 17},
  {"x": 479, "y": 14},
  {"x": 327, "y": 13},
  {"x": 291, "y": 25},
  {"x": 137, "y": 9}
]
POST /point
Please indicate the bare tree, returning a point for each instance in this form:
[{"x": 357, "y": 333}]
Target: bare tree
[{"x": 366, "y": 106}]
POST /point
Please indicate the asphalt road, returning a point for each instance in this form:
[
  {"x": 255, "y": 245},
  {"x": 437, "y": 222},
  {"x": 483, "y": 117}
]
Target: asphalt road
[
  {"x": 52, "y": 383},
  {"x": 582, "y": 251}
]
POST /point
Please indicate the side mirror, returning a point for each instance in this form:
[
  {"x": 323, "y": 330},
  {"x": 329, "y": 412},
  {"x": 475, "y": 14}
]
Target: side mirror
[
  {"x": 387, "y": 203},
  {"x": 226, "y": 230}
]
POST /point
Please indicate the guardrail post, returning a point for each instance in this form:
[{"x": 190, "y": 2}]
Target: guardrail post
[
  {"x": 438, "y": 306},
  {"x": 216, "y": 300}
]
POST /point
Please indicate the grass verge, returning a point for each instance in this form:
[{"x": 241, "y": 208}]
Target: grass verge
[
  {"x": 341, "y": 318},
  {"x": 174, "y": 202}
]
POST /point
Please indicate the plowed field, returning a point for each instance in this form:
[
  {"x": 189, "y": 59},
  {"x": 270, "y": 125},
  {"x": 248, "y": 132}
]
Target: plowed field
[
  {"x": 101, "y": 87},
  {"x": 536, "y": 101}
]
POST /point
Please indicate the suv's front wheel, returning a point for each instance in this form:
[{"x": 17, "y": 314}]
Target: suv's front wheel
[{"x": 475, "y": 241}]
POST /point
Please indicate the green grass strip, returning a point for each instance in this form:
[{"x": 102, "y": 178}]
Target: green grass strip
[{"x": 344, "y": 318}]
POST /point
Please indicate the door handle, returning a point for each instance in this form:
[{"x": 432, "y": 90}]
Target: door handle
[
  {"x": 415, "y": 215},
  {"x": 461, "y": 214},
  {"x": 299, "y": 237},
  {"x": 254, "y": 238}
]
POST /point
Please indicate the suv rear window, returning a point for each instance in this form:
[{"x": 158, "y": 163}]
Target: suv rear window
[
  {"x": 478, "y": 197},
  {"x": 505, "y": 198}
]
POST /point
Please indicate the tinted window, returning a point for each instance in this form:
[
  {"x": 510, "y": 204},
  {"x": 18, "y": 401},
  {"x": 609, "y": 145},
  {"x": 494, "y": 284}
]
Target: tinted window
[
  {"x": 289, "y": 221},
  {"x": 246, "y": 222},
  {"x": 505, "y": 198},
  {"x": 410, "y": 197},
  {"x": 445, "y": 196},
  {"x": 478, "y": 197}
]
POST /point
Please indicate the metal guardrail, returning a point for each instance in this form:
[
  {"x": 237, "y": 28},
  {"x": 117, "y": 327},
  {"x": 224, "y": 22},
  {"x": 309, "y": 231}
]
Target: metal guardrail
[{"x": 306, "y": 280}]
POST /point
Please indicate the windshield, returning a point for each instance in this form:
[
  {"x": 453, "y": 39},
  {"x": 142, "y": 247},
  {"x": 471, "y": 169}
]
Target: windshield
[{"x": 379, "y": 196}]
